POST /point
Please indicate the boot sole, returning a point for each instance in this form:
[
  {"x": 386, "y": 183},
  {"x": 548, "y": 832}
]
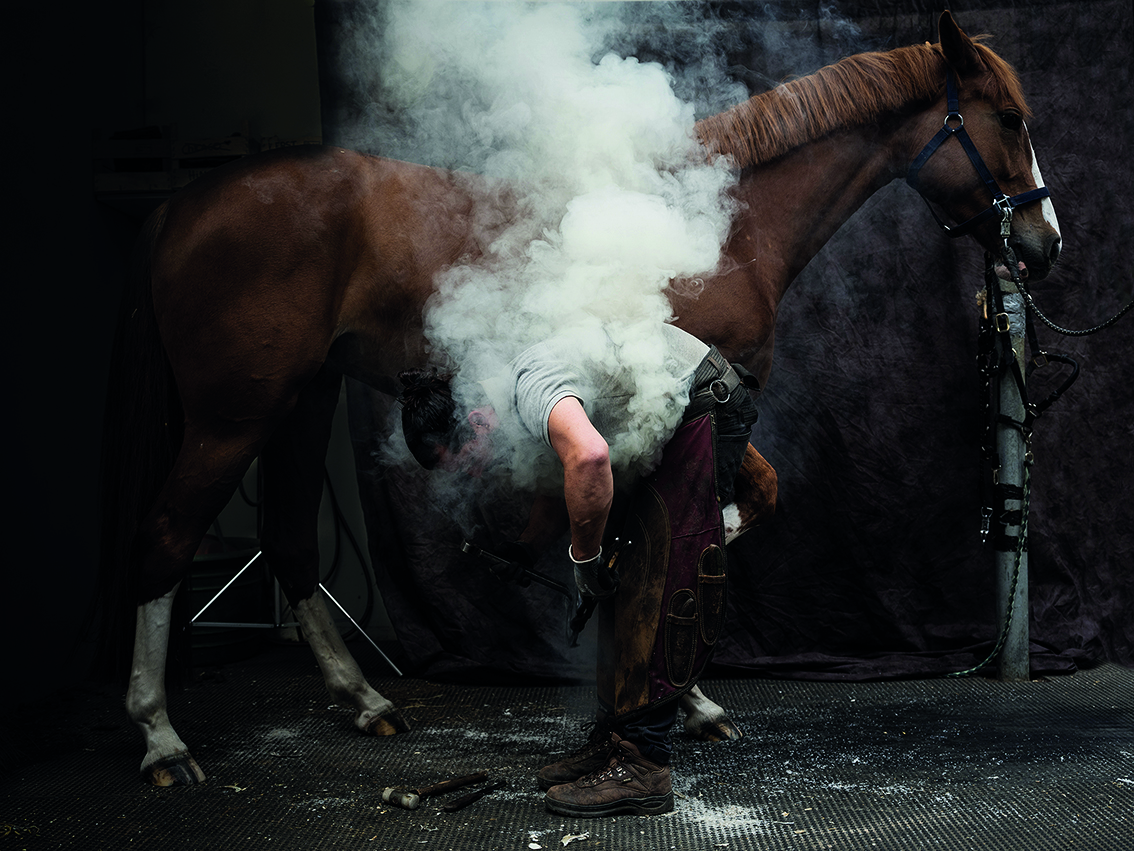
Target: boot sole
[{"x": 651, "y": 806}]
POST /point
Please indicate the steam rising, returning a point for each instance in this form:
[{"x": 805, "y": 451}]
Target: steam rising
[{"x": 618, "y": 198}]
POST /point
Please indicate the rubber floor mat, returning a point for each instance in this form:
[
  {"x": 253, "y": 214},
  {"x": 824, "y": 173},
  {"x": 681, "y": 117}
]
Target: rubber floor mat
[{"x": 942, "y": 764}]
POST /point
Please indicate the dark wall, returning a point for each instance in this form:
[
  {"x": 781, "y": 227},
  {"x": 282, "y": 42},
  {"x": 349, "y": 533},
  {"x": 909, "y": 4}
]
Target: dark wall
[
  {"x": 873, "y": 417},
  {"x": 77, "y": 67},
  {"x": 869, "y": 417},
  {"x": 84, "y": 71}
]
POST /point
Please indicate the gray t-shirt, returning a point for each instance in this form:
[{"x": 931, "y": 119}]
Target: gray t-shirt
[{"x": 633, "y": 393}]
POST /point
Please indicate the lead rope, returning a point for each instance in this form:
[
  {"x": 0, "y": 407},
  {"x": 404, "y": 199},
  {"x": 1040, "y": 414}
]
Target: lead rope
[{"x": 1066, "y": 332}]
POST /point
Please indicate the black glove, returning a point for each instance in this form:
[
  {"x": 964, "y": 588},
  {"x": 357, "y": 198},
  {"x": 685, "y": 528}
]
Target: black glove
[{"x": 592, "y": 576}]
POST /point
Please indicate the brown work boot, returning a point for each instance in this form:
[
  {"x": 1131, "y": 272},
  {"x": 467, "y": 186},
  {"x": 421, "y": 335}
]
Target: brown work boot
[
  {"x": 591, "y": 757},
  {"x": 630, "y": 783}
]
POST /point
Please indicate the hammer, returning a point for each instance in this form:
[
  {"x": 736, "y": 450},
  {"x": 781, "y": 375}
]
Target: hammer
[{"x": 411, "y": 800}]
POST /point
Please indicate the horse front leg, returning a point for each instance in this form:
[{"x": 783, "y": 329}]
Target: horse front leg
[
  {"x": 754, "y": 495},
  {"x": 167, "y": 761},
  {"x": 373, "y": 714}
]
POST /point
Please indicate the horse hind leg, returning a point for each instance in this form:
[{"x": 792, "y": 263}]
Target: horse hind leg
[
  {"x": 293, "y": 464},
  {"x": 706, "y": 720},
  {"x": 204, "y": 476},
  {"x": 373, "y": 713}
]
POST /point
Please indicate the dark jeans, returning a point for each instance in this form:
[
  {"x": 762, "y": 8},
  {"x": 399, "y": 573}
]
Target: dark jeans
[{"x": 650, "y": 732}]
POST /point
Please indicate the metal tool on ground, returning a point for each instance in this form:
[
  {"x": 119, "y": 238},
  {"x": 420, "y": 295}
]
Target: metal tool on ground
[
  {"x": 472, "y": 797},
  {"x": 410, "y": 799}
]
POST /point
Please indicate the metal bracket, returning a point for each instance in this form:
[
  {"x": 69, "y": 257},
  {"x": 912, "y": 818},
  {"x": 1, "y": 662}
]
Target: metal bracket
[
  {"x": 1005, "y": 207},
  {"x": 985, "y": 523}
]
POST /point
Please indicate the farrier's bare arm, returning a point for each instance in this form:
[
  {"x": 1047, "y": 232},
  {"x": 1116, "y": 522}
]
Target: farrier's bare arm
[{"x": 588, "y": 484}]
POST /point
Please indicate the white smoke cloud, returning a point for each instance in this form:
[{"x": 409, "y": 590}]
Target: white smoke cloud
[{"x": 599, "y": 150}]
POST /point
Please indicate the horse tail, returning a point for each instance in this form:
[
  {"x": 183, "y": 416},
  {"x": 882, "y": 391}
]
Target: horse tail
[{"x": 141, "y": 435}]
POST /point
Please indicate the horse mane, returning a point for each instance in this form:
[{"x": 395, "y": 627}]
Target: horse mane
[{"x": 851, "y": 92}]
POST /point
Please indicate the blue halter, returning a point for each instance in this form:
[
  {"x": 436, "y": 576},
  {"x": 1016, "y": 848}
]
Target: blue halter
[{"x": 1002, "y": 205}]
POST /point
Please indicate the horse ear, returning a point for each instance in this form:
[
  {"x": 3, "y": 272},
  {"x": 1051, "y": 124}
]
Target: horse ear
[{"x": 957, "y": 47}]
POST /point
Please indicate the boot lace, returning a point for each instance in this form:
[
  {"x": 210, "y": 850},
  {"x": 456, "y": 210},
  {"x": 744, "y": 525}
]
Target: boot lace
[{"x": 617, "y": 770}]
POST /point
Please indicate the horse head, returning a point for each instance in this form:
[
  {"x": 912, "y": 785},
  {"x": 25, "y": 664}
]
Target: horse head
[{"x": 993, "y": 168}]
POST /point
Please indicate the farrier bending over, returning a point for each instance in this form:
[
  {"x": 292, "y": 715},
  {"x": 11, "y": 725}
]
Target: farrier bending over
[{"x": 659, "y": 619}]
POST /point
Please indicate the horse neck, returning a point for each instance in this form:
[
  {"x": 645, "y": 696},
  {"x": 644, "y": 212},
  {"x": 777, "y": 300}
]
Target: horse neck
[
  {"x": 796, "y": 203},
  {"x": 790, "y": 207}
]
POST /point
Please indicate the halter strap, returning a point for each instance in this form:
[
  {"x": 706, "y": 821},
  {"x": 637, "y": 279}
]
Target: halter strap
[{"x": 954, "y": 125}]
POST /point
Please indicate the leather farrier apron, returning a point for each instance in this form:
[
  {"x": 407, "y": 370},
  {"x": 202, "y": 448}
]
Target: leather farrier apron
[{"x": 657, "y": 632}]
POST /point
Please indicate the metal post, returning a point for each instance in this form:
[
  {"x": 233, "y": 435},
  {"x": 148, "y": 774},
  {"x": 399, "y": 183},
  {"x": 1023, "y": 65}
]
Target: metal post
[{"x": 1013, "y": 659}]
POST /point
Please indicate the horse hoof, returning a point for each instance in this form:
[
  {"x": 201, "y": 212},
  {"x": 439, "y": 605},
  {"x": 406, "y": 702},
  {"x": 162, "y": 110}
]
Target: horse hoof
[
  {"x": 179, "y": 770},
  {"x": 388, "y": 724},
  {"x": 719, "y": 730}
]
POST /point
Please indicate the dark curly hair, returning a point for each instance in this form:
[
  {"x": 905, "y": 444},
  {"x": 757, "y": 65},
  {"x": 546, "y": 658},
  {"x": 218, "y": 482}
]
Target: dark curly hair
[{"x": 429, "y": 420}]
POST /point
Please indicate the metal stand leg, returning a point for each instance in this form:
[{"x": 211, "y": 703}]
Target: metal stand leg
[
  {"x": 360, "y": 629},
  {"x": 277, "y": 624}
]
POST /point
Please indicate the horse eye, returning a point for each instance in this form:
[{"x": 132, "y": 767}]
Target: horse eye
[{"x": 1010, "y": 120}]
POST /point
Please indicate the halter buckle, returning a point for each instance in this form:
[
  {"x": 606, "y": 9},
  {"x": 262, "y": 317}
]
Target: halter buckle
[{"x": 1004, "y": 205}]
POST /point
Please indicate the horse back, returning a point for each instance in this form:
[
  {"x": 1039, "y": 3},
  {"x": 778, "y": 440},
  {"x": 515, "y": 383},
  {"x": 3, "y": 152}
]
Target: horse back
[{"x": 269, "y": 263}]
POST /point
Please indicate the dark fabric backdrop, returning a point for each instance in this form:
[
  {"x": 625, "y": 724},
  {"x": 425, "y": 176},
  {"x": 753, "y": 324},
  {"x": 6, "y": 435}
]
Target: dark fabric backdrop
[{"x": 872, "y": 566}]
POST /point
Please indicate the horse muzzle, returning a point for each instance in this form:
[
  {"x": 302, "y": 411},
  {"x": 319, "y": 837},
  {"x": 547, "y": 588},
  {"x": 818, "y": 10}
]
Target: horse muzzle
[{"x": 1036, "y": 254}]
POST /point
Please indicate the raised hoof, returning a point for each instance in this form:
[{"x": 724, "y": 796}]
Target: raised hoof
[
  {"x": 719, "y": 730},
  {"x": 174, "y": 771},
  {"x": 388, "y": 724}
]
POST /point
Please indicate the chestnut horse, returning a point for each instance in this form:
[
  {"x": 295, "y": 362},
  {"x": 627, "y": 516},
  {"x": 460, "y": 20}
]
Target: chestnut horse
[{"x": 264, "y": 283}]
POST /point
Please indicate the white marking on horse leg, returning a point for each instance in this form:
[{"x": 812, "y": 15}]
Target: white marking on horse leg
[
  {"x": 705, "y": 719},
  {"x": 1045, "y": 205},
  {"x": 694, "y": 702},
  {"x": 733, "y": 523},
  {"x": 145, "y": 697},
  {"x": 345, "y": 682}
]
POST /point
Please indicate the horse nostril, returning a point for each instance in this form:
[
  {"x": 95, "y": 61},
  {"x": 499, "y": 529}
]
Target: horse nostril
[{"x": 1053, "y": 254}]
